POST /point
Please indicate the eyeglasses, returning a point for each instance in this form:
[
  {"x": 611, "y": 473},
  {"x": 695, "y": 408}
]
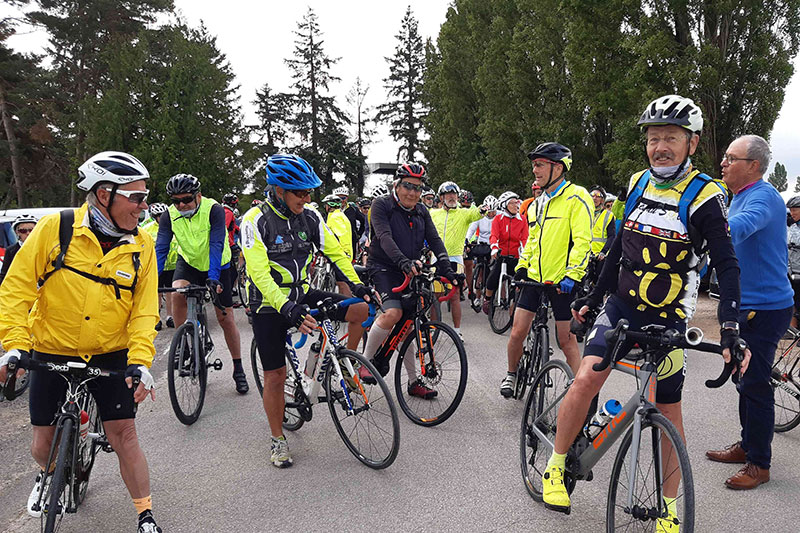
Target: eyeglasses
[
  {"x": 24, "y": 231},
  {"x": 182, "y": 200},
  {"x": 301, "y": 193},
  {"x": 733, "y": 159},
  {"x": 134, "y": 197},
  {"x": 411, "y": 186},
  {"x": 597, "y": 196}
]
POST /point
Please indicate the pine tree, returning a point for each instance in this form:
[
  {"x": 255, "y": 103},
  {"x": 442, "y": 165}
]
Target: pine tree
[
  {"x": 362, "y": 135},
  {"x": 404, "y": 109},
  {"x": 778, "y": 178},
  {"x": 797, "y": 184},
  {"x": 273, "y": 110}
]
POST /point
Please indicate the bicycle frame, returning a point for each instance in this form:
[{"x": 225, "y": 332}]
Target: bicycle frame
[{"x": 503, "y": 275}]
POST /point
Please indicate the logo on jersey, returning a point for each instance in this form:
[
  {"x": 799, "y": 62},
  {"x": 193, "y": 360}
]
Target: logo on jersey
[
  {"x": 279, "y": 239},
  {"x": 249, "y": 235},
  {"x": 302, "y": 235}
]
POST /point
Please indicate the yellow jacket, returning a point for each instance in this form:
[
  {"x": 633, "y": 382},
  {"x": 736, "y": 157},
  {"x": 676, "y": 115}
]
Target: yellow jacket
[
  {"x": 340, "y": 226},
  {"x": 452, "y": 225},
  {"x": 559, "y": 236},
  {"x": 75, "y": 316}
]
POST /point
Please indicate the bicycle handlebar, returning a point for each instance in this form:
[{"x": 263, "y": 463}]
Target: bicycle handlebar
[
  {"x": 442, "y": 279},
  {"x": 196, "y": 289},
  {"x": 328, "y": 307},
  {"x": 535, "y": 284}
]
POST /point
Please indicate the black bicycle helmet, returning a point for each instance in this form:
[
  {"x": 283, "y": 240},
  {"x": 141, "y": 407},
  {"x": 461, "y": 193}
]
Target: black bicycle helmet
[
  {"x": 183, "y": 184},
  {"x": 411, "y": 170},
  {"x": 598, "y": 188},
  {"x": 230, "y": 199},
  {"x": 557, "y": 153}
]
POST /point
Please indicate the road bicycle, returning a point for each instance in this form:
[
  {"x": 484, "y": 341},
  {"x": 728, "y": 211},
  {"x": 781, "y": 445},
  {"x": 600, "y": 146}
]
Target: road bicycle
[
  {"x": 536, "y": 350},
  {"x": 73, "y": 452},
  {"x": 431, "y": 354},
  {"x": 242, "y": 284},
  {"x": 652, "y": 458},
  {"x": 501, "y": 309},
  {"x": 785, "y": 381},
  {"x": 364, "y": 414},
  {"x": 321, "y": 274},
  {"x": 190, "y": 355},
  {"x": 479, "y": 276}
]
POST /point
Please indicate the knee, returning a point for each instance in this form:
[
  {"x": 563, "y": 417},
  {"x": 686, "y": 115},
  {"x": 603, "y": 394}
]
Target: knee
[
  {"x": 358, "y": 313},
  {"x": 275, "y": 378},
  {"x": 122, "y": 436},
  {"x": 390, "y": 317}
]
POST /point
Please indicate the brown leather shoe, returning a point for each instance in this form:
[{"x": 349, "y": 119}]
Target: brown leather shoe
[
  {"x": 732, "y": 454},
  {"x": 748, "y": 477}
]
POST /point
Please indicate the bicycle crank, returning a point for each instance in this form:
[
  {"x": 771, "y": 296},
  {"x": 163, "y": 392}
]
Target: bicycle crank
[{"x": 216, "y": 365}]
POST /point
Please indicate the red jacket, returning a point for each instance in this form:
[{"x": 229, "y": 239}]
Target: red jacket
[
  {"x": 509, "y": 234},
  {"x": 230, "y": 225}
]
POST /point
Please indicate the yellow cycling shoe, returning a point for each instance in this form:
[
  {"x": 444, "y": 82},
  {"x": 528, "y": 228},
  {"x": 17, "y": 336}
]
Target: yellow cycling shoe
[
  {"x": 554, "y": 492},
  {"x": 670, "y": 524}
]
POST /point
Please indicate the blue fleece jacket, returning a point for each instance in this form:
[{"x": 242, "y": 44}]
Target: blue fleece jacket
[{"x": 757, "y": 220}]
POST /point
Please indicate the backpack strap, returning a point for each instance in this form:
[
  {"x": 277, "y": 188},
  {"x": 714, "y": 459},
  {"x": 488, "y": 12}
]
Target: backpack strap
[
  {"x": 690, "y": 194},
  {"x": 636, "y": 193},
  {"x": 66, "y": 218}
]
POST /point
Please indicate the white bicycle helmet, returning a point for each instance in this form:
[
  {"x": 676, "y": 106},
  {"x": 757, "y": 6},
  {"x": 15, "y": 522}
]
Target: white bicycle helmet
[
  {"x": 341, "y": 191},
  {"x": 507, "y": 196},
  {"x": 675, "y": 110},
  {"x": 157, "y": 209},
  {"x": 490, "y": 202},
  {"x": 448, "y": 186},
  {"x": 380, "y": 190},
  {"x": 23, "y": 219},
  {"x": 110, "y": 167}
]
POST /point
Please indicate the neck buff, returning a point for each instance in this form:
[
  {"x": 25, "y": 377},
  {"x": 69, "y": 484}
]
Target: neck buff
[
  {"x": 189, "y": 213},
  {"x": 102, "y": 224},
  {"x": 666, "y": 176}
]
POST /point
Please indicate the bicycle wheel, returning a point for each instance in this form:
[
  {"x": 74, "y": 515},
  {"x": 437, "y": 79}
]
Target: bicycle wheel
[
  {"x": 258, "y": 369},
  {"x": 525, "y": 373},
  {"x": 445, "y": 373},
  {"x": 293, "y": 392},
  {"x": 785, "y": 380},
  {"x": 501, "y": 315},
  {"x": 242, "y": 286},
  {"x": 87, "y": 449},
  {"x": 186, "y": 376},
  {"x": 57, "y": 498},
  {"x": 478, "y": 286},
  {"x": 541, "y": 408},
  {"x": 371, "y": 431},
  {"x": 655, "y": 470}
]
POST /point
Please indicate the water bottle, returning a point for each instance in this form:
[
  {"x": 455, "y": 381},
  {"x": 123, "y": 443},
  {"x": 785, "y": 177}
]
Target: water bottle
[
  {"x": 84, "y": 429},
  {"x": 313, "y": 358},
  {"x": 601, "y": 418}
]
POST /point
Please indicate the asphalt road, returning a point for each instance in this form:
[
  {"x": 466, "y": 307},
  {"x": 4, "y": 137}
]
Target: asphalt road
[{"x": 460, "y": 476}]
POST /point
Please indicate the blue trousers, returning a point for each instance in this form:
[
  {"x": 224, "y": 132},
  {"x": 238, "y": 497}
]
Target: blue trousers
[{"x": 762, "y": 330}]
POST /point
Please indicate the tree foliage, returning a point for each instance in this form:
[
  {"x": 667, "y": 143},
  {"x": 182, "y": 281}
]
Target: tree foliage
[{"x": 779, "y": 178}]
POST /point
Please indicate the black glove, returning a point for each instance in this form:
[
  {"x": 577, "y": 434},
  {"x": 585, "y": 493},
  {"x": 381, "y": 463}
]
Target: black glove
[
  {"x": 458, "y": 280},
  {"x": 521, "y": 275},
  {"x": 729, "y": 339},
  {"x": 623, "y": 195},
  {"x": 360, "y": 291},
  {"x": 296, "y": 313},
  {"x": 591, "y": 300},
  {"x": 213, "y": 284},
  {"x": 483, "y": 209},
  {"x": 406, "y": 265}
]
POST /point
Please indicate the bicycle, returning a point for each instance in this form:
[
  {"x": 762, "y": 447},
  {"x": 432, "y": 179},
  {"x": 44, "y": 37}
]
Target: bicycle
[
  {"x": 785, "y": 381},
  {"x": 369, "y": 430},
  {"x": 536, "y": 350},
  {"x": 479, "y": 275},
  {"x": 437, "y": 359},
  {"x": 190, "y": 356},
  {"x": 635, "y": 497},
  {"x": 321, "y": 275},
  {"x": 501, "y": 309},
  {"x": 76, "y": 453},
  {"x": 242, "y": 285}
]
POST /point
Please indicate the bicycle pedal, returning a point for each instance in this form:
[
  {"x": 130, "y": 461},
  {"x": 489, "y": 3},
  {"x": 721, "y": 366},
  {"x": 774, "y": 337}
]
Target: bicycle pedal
[
  {"x": 590, "y": 476},
  {"x": 558, "y": 508},
  {"x": 216, "y": 365}
]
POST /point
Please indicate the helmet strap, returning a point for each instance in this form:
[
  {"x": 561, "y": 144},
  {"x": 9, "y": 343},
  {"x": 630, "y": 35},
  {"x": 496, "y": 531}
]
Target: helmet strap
[{"x": 112, "y": 194}]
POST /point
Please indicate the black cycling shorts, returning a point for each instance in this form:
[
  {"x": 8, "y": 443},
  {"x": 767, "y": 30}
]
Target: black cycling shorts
[
  {"x": 185, "y": 271},
  {"x": 47, "y": 389},
  {"x": 270, "y": 329},
  {"x": 493, "y": 281},
  {"x": 384, "y": 280},
  {"x": 671, "y": 372},
  {"x": 165, "y": 278},
  {"x": 529, "y": 297}
]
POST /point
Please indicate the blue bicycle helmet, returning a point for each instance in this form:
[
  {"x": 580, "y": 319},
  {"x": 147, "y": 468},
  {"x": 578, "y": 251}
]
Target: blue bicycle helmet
[{"x": 291, "y": 172}]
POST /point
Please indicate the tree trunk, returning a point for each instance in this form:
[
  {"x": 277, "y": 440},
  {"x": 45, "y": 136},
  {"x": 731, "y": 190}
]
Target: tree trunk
[{"x": 13, "y": 147}]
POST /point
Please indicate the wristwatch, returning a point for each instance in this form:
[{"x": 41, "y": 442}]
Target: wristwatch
[{"x": 730, "y": 325}]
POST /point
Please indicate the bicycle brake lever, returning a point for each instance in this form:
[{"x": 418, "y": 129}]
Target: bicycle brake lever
[
  {"x": 731, "y": 368},
  {"x": 10, "y": 386}
]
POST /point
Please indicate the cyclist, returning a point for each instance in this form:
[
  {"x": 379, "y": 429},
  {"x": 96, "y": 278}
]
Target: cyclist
[
  {"x": 380, "y": 190},
  {"x": 353, "y": 214},
  {"x": 427, "y": 197},
  {"x": 399, "y": 228},
  {"x": 99, "y": 307},
  {"x": 204, "y": 258},
  {"x": 604, "y": 228},
  {"x": 363, "y": 243},
  {"x": 557, "y": 252},
  {"x": 339, "y": 224},
  {"x": 793, "y": 237},
  {"x": 452, "y": 222},
  {"x": 278, "y": 242},
  {"x": 508, "y": 238},
  {"x": 229, "y": 203},
  {"x": 156, "y": 211},
  {"x": 22, "y": 227},
  {"x": 645, "y": 292},
  {"x": 478, "y": 237},
  {"x": 536, "y": 192},
  {"x": 465, "y": 198}
]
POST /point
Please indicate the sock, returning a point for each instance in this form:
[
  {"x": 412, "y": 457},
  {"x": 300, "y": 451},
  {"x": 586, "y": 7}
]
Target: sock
[
  {"x": 143, "y": 504},
  {"x": 237, "y": 365},
  {"x": 375, "y": 338},
  {"x": 282, "y": 437},
  {"x": 557, "y": 459},
  {"x": 672, "y": 505},
  {"x": 458, "y": 330}
]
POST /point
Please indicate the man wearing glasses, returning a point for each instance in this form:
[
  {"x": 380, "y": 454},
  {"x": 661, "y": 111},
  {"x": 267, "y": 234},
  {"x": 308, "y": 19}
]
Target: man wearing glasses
[
  {"x": 23, "y": 225},
  {"x": 204, "y": 257},
  {"x": 604, "y": 228}
]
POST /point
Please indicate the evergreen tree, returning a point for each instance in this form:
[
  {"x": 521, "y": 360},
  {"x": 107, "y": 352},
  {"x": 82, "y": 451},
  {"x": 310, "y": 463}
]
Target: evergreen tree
[
  {"x": 797, "y": 184},
  {"x": 362, "y": 135},
  {"x": 778, "y": 178},
  {"x": 273, "y": 110},
  {"x": 403, "y": 109}
]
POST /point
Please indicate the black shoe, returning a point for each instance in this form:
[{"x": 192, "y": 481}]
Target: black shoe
[
  {"x": 147, "y": 523},
  {"x": 159, "y": 326},
  {"x": 170, "y": 322},
  {"x": 241, "y": 382}
]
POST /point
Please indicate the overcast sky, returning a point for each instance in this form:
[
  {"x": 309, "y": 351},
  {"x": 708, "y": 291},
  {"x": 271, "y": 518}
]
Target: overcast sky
[{"x": 257, "y": 36}]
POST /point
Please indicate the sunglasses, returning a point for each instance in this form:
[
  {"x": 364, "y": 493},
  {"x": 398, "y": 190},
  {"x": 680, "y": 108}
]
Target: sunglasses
[
  {"x": 24, "y": 231},
  {"x": 411, "y": 186},
  {"x": 301, "y": 193},
  {"x": 134, "y": 197},
  {"x": 183, "y": 200}
]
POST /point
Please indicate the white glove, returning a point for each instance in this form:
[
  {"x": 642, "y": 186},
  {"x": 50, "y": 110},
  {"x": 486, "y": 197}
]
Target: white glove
[
  {"x": 142, "y": 373},
  {"x": 8, "y": 355}
]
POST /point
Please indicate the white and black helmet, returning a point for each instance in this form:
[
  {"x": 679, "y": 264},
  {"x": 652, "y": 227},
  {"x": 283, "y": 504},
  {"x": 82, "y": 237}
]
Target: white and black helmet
[
  {"x": 341, "y": 191},
  {"x": 448, "y": 186},
  {"x": 118, "y": 168},
  {"x": 673, "y": 110},
  {"x": 490, "y": 202},
  {"x": 23, "y": 219},
  {"x": 380, "y": 190},
  {"x": 506, "y": 197},
  {"x": 157, "y": 209}
]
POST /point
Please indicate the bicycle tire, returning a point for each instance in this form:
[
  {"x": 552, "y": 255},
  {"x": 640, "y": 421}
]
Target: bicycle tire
[
  {"x": 374, "y": 404},
  {"x": 552, "y": 380},
  {"x": 292, "y": 418},
  {"x": 447, "y": 379},
  {"x": 502, "y": 320},
  {"x": 661, "y": 428},
  {"x": 258, "y": 371},
  {"x": 182, "y": 349},
  {"x": 87, "y": 451},
  {"x": 59, "y": 481},
  {"x": 785, "y": 381},
  {"x": 478, "y": 285},
  {"x": 242, "y": 287}
]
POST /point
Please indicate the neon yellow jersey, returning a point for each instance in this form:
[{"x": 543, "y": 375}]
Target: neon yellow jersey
[
  {"x": 194, "y": 235},
  {"x": 172, "y": 257},
  {"x": 600, "y": 221},
  {"x": 559, "y": 236},
  {"x": 452, "y": 225},
  {"x": 340, "y": 226}
]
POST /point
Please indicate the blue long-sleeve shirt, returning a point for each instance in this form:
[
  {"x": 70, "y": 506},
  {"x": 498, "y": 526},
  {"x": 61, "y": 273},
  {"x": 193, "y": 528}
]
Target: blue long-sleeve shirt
[
  {"x": 216, "y": 241},
  {"x": 757, "y": 221}
]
